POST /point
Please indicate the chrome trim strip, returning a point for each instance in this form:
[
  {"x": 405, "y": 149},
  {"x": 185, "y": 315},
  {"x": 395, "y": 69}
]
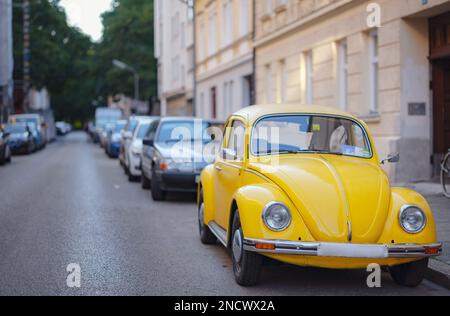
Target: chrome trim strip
[
  {"x": 219, "y": 232},
  {"x": 312, "y": 248}
]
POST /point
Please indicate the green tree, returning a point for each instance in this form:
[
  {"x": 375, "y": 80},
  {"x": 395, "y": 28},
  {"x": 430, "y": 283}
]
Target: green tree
[
  {"x": 59, "y": 59},
  {"x": 127, "y": 36},
  {"x": 79, "y": 73}
]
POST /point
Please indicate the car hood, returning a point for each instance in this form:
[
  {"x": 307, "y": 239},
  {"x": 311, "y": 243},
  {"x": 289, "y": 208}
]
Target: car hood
[
  {"x": 186, "y": 151},
  {"x": 340, "y": 199}
]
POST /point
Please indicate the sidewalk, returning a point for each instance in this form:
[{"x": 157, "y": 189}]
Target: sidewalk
[{"x": 440, "y": 266}]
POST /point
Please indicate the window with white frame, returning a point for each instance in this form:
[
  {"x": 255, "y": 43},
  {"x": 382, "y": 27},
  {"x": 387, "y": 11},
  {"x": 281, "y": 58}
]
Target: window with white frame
[
  {"x": 212, "y": 27},
  {"x": 373, "y": 72},
  {"x": 228, "y": 22},
  {"x": 343, "y": 74},
  {"x": 190, "y": 10},
  {"x": 268, "y": 7},
  {"x": 244, "y": 16},
  {"x": 309, "y": 71}
]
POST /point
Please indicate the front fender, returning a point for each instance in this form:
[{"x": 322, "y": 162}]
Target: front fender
[
  {"x": 394, "y": 233},
  {"x": 252, "y": 199}
]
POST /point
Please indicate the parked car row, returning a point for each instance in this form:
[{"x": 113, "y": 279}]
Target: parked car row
[
  {"x": 165, "y": 154},
  {"x": 302, "y": 185},
  {"x": 24, "y": 134}
]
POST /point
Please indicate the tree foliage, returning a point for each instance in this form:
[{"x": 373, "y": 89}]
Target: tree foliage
[{"x": 79, "y": 73}]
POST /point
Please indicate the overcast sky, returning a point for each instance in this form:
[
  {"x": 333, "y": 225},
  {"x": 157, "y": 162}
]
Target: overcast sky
[{"x": 86, "y": 15}]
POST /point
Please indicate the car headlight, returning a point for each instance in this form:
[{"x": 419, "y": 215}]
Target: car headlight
[
  {"x": 412, "y": 219},
  {"x": 276, "y": 216}
]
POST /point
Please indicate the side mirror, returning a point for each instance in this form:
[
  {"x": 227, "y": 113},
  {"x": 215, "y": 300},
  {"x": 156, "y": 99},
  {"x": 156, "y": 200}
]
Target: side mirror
[
  {"x": 148, "y": 142},
  {"x": 229, "y": 154},
  {"x": 6, "y": 135},
  {"x": 391, "y": 159}
]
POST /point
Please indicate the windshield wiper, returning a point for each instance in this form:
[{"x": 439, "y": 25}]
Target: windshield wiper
[{"x": 321, "y": 151}]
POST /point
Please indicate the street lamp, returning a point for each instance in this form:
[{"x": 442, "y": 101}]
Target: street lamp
[{"x": 124, "y": 66}]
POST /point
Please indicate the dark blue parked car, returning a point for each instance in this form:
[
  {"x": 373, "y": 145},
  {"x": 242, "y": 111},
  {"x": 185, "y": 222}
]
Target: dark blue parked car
[{"x": 112, "y": 146}]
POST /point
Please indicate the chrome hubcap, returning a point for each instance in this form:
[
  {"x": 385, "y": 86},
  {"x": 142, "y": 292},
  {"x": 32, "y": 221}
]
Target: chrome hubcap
[{"x": 237, "y": 245}]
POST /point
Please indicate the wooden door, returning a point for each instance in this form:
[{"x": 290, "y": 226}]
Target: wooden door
[{"x": 441, "y": 105}]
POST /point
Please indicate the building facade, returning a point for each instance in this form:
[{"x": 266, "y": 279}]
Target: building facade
[
  {"x": 334, "y": 53},
  {"x": 174, "y": 48},
  {"x": 224, "y": 57},
  {"x": 6, "y": 60}
]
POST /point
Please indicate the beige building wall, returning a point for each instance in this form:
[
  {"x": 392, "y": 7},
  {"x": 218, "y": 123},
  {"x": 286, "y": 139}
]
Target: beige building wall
[
  {"x": 174, "y": 47},
  {"x": 324, "y": 52},
  {"x": 224, "y": 53}
]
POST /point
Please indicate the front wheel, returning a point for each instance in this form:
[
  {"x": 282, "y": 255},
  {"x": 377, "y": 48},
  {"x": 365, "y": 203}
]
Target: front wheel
[
  {"x": 206, "y": 236},
  {"x": 409, "y": 274},
  {"x": 157, "y": 193},
  {"x": 246, "y": 265},
  {"x": 445, "y": 175}
]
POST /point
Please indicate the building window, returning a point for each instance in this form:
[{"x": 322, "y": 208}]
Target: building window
[
  {"x": 343, "y": 74},
  {"x": 268, "y": 7},
  {"x": 228, "y": 22},
  {"x": 309, "y": 71},
  {"x": 212, "y": 34},
  {"x": 190, "y": 10},
  {"x": 281, "y": 82},
  {"x": 267, "y": 84},
  {"x": 243, "y": 11},
  {"x": 373, "y": 55}
]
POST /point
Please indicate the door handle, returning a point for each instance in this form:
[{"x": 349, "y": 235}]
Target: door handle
[{"x": 218, "y": 168}]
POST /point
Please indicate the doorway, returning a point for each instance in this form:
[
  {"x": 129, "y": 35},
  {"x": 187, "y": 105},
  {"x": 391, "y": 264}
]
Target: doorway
[{"x": 439, "y": 27}]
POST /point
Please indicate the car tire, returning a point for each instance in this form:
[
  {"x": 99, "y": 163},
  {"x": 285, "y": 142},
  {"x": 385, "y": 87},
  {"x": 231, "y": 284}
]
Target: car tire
[
  {"x": 157, "y": 193},
  {"x": 206, "y": 236},
  {"x": 145, "y": 182},
  {"x": 131, "y": 178},
  {"x": 8, "y": 158},
  {"x": 246, "y": 265},
  {"x": 409, "y": 274},
  {"x": 3, "y": 158}
]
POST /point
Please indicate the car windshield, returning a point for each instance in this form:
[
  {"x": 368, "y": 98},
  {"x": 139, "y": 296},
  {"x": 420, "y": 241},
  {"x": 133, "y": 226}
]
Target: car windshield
[
  {"x": 310, "y": 133},
  {"x": 186, "y": 131},
  {"x": 15, "y": 129},
  {"x": 119, "y": 127},
  {"x": 143, "y": 129},
  {"x": 132, "y": 126}
]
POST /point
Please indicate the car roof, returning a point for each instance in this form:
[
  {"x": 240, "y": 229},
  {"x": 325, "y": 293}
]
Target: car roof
[
  {"x": 253, "y": 113},
  {"x": 188, "y": 118}
]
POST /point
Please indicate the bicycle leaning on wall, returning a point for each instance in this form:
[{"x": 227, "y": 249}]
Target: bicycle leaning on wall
[{"x": 445, "y": 174}]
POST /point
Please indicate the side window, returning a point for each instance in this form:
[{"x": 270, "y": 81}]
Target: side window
[
  {"x": 236, "y": 142},
  {"x": 152, "y": 130}
]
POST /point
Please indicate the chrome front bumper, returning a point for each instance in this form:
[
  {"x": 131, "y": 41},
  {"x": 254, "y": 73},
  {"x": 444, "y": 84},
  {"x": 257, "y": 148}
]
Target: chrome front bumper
[{"x": 342, "y": 250}]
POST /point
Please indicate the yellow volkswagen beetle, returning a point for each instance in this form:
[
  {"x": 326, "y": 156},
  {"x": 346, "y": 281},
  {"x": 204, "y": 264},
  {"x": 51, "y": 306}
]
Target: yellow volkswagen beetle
[{"x": 303, "y": 185}]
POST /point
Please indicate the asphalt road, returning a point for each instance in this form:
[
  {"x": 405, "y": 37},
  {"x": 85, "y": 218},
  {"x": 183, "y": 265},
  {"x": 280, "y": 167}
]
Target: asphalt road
[{"x": 72, "y": 204}]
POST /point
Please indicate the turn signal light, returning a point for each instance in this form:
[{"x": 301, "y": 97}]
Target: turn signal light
[
  {"x": 263, "y": 246},
  {"x": 432, "y": 251},
  {"x": 163, "y": 166}
]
